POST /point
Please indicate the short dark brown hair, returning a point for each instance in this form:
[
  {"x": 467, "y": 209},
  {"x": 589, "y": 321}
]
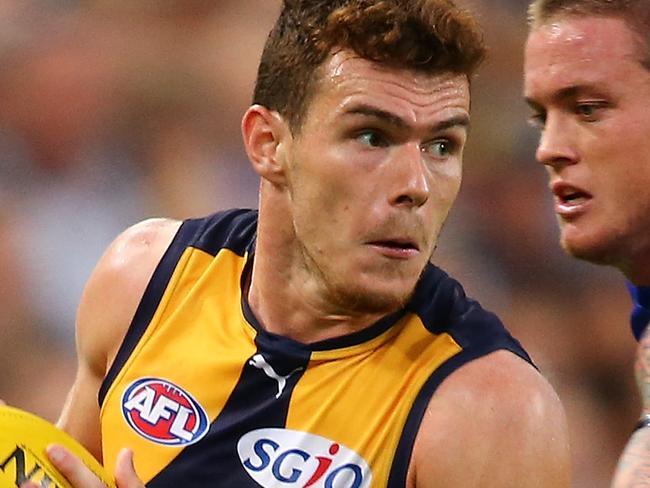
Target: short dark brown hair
[
  {"x": 423, "y": 35},
  {"x": 635, "y": 13}
]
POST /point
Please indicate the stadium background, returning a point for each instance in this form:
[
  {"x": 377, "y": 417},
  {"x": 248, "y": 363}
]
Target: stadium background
[{"x": 112, "y": 111}]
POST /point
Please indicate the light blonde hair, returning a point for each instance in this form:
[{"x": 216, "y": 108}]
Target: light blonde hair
[{"x": 635, "y": 13}]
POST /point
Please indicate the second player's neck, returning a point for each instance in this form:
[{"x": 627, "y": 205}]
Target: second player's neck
[{"x": 637, "y": 269}]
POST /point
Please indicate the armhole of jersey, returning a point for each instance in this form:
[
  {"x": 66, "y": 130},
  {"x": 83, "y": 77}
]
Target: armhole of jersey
[
  {"x": 404, "y": 452},
  {"x": 150, "y": 300}
]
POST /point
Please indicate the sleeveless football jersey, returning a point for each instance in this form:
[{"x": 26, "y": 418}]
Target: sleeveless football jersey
[{"x": 206, "y": 397}]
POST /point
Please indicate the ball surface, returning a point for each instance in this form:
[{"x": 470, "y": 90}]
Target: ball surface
[{"x": 23, "y": 439}]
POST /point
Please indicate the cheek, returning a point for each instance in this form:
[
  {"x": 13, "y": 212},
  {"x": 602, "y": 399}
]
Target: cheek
[
  {"x": 446, "y": 183},
  {"x": 321, "y": 206},
  {"x": 618, "y": 161}
]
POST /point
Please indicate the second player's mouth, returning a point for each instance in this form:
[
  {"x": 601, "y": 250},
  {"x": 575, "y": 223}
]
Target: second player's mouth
[{"x": 569, "y": 199}]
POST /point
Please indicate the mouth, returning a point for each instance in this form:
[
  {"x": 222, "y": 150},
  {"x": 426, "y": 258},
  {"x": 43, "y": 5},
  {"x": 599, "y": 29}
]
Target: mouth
[
  {"x": 569, "y": 194},
  {"x": 396, "y": 248},
  {"x": 569, "y": 199}
]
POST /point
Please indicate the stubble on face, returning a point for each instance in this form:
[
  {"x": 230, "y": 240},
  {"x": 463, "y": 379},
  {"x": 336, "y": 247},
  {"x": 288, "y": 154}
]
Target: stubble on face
[
  {"x": 340, "y": 189},
  {"x": 348, "y": 297}
]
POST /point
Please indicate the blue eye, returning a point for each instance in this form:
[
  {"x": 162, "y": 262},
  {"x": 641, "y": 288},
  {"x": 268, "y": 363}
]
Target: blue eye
[
  {"x": 589, "y": 111},
  {"x": 372, "y": 138}
]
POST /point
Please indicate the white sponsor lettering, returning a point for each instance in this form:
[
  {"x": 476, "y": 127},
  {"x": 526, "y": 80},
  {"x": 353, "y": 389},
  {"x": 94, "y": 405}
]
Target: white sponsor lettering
[{"x": 277, "y": 458}]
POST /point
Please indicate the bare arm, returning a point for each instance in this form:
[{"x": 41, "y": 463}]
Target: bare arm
[
  {"x": 634, "y": 465},
  {"x": 494, "y": 422},
  {"x": 107, "y": 306}
]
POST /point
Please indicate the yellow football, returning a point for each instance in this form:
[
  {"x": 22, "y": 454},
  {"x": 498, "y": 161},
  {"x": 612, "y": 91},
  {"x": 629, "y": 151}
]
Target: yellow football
[{"x": 23, "y": 439}]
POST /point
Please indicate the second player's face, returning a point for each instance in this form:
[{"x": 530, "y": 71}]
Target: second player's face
[
  {"x": 372, "y": 176},
  {"x": 591, "y": 96}
]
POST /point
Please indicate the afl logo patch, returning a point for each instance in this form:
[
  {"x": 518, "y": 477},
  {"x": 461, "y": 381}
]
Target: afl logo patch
[{"x": 164, "y": 413}]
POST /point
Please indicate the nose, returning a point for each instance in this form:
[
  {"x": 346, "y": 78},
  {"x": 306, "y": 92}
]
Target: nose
[
  {"x": 411, "y": 186},
  {"x": 556, "y": 147}
]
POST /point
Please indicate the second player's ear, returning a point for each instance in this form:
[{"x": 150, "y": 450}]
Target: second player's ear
[{"x": 266, "y": 137}]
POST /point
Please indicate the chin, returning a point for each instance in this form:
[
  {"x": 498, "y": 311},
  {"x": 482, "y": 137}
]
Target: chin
[
  {"x": 603, "y": 252},
  {"x": 371, "y": 289},
  {"x": 374, "y": 301},
  {"x": 377, "y": 303}
]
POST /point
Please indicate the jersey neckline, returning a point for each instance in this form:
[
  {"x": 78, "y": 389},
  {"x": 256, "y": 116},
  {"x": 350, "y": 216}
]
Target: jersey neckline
[{"x": 361, "y": 337}]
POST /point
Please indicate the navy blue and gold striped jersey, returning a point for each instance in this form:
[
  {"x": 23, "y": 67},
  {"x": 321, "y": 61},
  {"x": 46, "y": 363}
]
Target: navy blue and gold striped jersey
[{"x": 206, "y": 397}]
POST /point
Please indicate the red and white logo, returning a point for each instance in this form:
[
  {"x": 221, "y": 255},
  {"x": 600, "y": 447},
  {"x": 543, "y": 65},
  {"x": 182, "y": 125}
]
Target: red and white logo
[
  {"x": 277, "y": 458},
  {"x": 164, "y": 413}
]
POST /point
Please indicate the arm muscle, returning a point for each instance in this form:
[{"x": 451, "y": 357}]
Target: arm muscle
[
  {"x": 107, "y": 306},
  {"x": 494, "y": 422}
]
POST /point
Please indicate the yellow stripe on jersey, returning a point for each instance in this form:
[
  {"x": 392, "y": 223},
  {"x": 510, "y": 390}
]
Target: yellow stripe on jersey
[
  {"x": 363, "y": 399},
  {"x": 190, "y": 328}
]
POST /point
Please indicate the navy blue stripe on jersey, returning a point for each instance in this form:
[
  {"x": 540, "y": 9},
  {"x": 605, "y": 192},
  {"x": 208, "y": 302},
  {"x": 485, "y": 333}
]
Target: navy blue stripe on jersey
[
  {"x": 402, "y": 458},
  {"x": 150, "y": 300},
  {"x": 442, "y": 305},
  {"x": 361, "y": 336},
  {"x": 231, "y": 229},
  {"x": 257, "y": 402}
]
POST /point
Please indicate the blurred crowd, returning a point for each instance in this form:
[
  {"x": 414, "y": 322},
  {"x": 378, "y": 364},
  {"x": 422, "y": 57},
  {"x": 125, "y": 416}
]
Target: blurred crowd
[{"x": 112, "y": 111}]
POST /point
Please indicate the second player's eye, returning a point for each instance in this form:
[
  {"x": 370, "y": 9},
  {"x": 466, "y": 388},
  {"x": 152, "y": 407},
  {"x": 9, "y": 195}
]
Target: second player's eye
[
  {"x": 589, "y": 111},
  {"x": 372, "y": 138},
  {"x": 537, "y": 120}
]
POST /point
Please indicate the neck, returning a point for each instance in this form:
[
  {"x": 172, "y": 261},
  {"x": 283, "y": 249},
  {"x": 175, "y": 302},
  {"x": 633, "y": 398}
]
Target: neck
[
  {"x": 636, "y": 268},
  {"x": 638, "y": 277},
  {"x": 284, "y": 296}
]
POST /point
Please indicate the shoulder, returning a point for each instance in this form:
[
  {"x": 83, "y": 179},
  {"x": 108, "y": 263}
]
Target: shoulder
[
  {"x": 494, "y": 422},
  {"x": 442, "y": 305},
  {"x": 439, "y": 295},
  {"x": 115, "y": 287}
]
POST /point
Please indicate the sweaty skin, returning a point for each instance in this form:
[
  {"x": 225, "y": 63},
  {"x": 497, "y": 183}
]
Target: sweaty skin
[
  {"x": 591, "y": 99},
  {"x": 590, "y": 91}
]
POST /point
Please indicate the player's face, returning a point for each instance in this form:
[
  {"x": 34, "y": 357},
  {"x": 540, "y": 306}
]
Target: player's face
[
  {"x": 373, "y": 173},
  {"x": 591, "y": 97}
]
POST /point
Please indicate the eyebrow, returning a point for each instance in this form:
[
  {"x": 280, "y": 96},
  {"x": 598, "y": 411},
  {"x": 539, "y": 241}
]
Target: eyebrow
[
  {"x": 390, "y": 118},
  {"x": 563, "y": 94}
]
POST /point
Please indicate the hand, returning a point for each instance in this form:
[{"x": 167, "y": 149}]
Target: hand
[
  {"x": 81, "y": 477},
  {"x": 632, "y": 469}
]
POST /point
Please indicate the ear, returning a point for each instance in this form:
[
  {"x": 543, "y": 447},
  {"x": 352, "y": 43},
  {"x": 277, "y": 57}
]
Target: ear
[{"x": 266, "y": 139}]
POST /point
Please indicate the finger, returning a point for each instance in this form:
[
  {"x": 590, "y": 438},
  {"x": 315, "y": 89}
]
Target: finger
[
  {"x": 125, "y": 475},
  {"x": 70, "y": 466}
]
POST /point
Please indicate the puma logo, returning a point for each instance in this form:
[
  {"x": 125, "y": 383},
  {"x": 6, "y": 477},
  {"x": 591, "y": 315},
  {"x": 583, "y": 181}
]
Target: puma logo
[{"x": 258, "y": 361}]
